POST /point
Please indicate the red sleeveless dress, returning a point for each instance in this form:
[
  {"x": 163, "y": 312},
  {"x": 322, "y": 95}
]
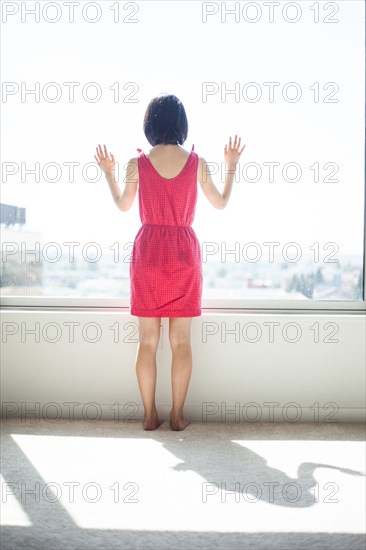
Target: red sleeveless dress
[{"x": 166, "y": 266}]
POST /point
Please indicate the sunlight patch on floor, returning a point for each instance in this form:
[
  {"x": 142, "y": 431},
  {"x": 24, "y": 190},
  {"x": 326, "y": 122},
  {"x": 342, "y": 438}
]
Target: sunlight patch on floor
[{"x": 143, "y": 484}]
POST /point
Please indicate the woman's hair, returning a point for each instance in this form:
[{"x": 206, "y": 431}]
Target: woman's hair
[{"x": 165, "y": 121}]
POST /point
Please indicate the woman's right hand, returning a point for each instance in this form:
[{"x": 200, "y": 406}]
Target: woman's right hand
[{"x": 232, "y": 151}]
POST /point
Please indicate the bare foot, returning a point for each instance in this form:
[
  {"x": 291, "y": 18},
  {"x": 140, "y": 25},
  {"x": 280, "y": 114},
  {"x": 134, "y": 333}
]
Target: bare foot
[
  {"x": 178, "y": 424},
  {"x": 153, "y": 422}
]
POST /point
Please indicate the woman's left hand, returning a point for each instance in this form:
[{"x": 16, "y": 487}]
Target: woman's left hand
[{"x": 103, "y": 160}]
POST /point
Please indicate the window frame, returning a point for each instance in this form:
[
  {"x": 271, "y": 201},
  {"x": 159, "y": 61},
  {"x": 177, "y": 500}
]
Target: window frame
[
  {"x": 224, "y": 305},
  {"x": 209, "y": 305}
]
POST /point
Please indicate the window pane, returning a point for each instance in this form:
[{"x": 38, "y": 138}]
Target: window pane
[{"x": 288, "y": 78}]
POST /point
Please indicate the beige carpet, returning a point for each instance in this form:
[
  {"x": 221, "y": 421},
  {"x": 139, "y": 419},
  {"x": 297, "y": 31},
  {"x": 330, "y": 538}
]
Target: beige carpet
[{"x": 105, "y": 485}]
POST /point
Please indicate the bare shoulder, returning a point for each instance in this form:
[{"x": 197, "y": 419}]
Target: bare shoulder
[
  {"x": 132, "y": 169},
  {"x": 203, "y": 170},
  {"x": 202, "y": 161}
]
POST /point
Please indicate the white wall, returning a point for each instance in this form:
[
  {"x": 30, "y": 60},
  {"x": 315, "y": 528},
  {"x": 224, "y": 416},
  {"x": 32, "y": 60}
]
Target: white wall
[{"x": 45, "y": 376}]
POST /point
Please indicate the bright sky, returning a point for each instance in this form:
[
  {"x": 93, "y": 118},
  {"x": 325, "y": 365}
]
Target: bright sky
[{"x": 170, "y": 49}]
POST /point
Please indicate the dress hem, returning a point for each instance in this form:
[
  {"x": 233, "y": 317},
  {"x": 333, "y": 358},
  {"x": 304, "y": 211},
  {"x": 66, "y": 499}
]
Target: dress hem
[{"x": 172, "y": 314}]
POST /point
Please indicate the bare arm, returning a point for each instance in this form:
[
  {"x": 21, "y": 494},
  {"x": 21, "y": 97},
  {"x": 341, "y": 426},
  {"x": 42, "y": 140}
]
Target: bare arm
[
  {"x": 123, "y": 200},
  {"x": 232, "y": 154}
]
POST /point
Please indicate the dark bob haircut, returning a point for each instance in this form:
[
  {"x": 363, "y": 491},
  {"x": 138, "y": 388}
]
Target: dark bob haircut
[{"x": 165, "y": 121}]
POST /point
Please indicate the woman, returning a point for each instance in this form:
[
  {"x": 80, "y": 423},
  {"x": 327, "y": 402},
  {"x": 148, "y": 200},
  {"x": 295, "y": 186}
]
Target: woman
[{"x": 166, "y": 267}]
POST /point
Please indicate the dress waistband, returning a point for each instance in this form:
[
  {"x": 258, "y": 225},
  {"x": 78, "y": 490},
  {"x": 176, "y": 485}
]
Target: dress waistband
[{"x": 166, "y": 225}]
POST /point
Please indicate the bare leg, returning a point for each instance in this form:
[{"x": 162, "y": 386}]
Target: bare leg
[
  {"x": 179, "y": 337},
  {"x": 146, "y": 368}
]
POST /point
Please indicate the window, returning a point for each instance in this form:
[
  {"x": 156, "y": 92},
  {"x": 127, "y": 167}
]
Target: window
[{"x": 288, "y": 78}]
